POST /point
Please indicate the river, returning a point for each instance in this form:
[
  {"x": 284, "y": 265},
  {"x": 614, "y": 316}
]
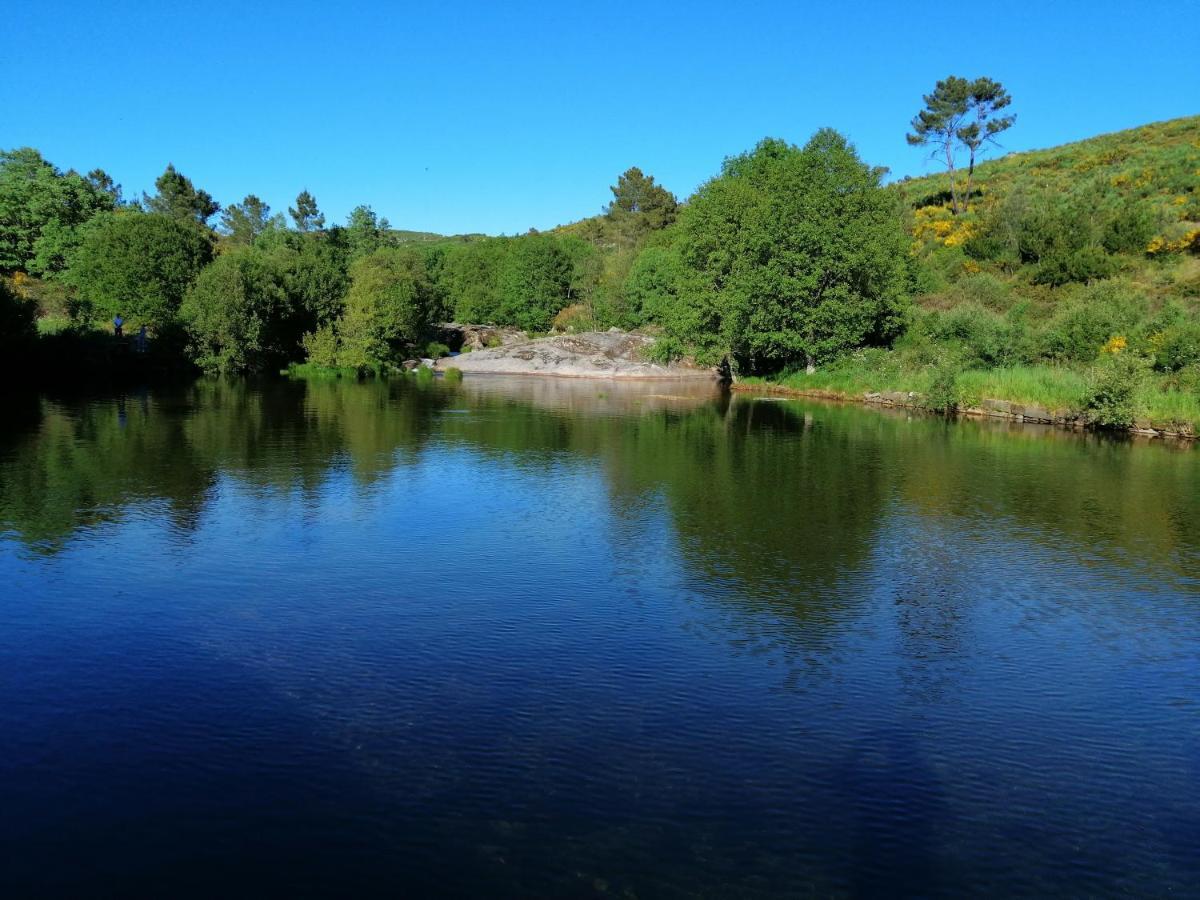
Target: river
[{"x": 538, "y": 637}]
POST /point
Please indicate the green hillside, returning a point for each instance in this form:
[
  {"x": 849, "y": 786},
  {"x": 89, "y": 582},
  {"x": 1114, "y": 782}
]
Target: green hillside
[{"x": 1069, "y": 265}]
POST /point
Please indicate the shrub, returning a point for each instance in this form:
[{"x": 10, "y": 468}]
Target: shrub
[
  {"x": 1078, "y": 331},
  {"x": 1177, "y": 347},
  {"x": 454, "y": 375},
  {"x": 436, "y": 350},
  {"x": 945, "y": 394},
  {"x": 575, "y": 317},
  {"x": 321, "y": 346},
  {"x": 981, "y": 336},
  {"x": 1111, "y": 397}
]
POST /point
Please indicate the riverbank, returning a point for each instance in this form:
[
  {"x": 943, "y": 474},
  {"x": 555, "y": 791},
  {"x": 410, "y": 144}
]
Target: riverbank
[
  {"x": 592, "y": 354},
  {"x": 1034, "y": 395}
]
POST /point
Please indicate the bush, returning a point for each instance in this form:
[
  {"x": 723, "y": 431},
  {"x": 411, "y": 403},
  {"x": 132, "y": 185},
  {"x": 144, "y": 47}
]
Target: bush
[
  {"x": 454, "y": 375},
  {"x": 1177, "y": 347},
  {"x": 1078, "y": 331},
  {"x": 321, "y": 346},
  {"x": 945, "y": 394},
  {"x": 436, "y": 350},
  {"x": 1111, "y": 398},
  {"x": 17, "y": 326},
  {"x": 575, "y": 317},
  {"x": 981, "y": 336}
]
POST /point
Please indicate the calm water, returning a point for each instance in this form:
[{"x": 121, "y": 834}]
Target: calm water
[{"x": 541, "y": 638}]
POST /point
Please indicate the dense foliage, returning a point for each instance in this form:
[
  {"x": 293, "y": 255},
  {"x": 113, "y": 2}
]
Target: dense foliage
[
  {"x": 1047, "y": 265},
  {"x": 790, "y": 256}
]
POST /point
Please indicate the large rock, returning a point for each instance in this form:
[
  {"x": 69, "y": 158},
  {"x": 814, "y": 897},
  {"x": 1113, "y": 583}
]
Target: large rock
[{"x": 592, "y": 354}]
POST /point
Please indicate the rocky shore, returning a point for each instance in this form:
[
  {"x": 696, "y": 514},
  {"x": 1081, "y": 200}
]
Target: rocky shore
[{"x": 593, "y": 354}]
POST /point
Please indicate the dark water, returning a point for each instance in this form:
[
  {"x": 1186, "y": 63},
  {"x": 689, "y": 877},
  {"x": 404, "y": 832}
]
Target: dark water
[{"x": 562, "y": 639}]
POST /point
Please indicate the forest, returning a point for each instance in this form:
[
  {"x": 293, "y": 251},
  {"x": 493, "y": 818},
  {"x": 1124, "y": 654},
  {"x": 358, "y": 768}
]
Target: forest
[{"x": 1068, "y": 277}]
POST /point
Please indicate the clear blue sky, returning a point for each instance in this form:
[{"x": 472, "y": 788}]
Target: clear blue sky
[{"x": 498, "y": 116}]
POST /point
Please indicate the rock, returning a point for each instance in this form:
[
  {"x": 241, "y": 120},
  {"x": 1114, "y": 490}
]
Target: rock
[
  {"x": 1038, "y": 414},
  {"x": 594, "y": 354},
  {"x": 409, "y": 364}
]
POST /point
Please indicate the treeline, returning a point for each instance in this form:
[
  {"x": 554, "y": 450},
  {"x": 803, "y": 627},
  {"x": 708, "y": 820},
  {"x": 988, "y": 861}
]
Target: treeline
[
  {"x": 1079, "y": 260},
  {"x": 717, "y": 277}
]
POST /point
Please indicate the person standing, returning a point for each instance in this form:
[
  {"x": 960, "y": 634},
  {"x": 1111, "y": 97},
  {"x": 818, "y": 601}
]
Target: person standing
[
  {"x": 118, "y": 325},
  {"x": 141, "y": 340}
]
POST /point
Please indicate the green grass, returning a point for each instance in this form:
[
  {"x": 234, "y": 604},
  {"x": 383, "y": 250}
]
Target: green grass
[
  {"x": 1055, "y": 388},
  {"x": 312, "y": 370},
  {"x": 1052, "y": 387},
  {"x": 1172, "y": 409}
]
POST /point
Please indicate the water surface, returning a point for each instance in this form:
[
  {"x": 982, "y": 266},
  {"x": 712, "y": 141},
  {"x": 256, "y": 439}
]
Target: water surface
[{"x": 552, "y": 638}]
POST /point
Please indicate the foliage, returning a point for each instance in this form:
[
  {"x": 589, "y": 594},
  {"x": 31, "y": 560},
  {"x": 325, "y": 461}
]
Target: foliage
[
  {"x": 245, "y": 221},
  {"x": 636, "y": 193},
  {"x": 790, "y": 256},
  {"x": 138, "y": 265},
  {"x": 305, "y": 213},
  {"x": 42, "y": 209},
  {"x": 533, "y": 283},
  {"x": 961, "y": 112},
  {"x": 238, "y": 314},
  {"x": 177, "y": 198},
  {"x": 1111, "y": 400},
  {"x": 387, "y": 307}
]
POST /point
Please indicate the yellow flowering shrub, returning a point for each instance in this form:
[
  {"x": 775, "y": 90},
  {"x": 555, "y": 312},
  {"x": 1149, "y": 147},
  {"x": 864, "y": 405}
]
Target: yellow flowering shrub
[
  {"x": 1115, "y": 344},
  {"x": 1188, "y": 241},
  {"x": 938, "y": 224}
]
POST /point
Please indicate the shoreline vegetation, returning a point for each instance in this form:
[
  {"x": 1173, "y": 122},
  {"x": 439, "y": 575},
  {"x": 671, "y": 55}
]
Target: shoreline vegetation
[{"x": 1064, "y": 281}]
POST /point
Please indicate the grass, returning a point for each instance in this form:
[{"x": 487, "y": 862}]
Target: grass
[
  {"x": 314, "y": 371},
  {"x": 1052, "y": 387},
  {"x": 1055, "y": 388}
]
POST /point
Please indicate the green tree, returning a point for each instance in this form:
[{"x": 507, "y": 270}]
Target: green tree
[
  {"x": 237, "y": 314},
  {"x": 960, "y": 111},
  {"x": 471, "y": 278},
  {"x": 41, "y": 210},
  {"x": 365, "y": 232},
  {"x": 176, "y": 197},
  {"x": 652, "y": 288},
  {"x": 387, "y": 307},
  {"x": 791, "y": 256},
  {"x": 636, "y": 192},
  {"x": 243, "y": 222},
  {"x": 305, "y": 213},
  {"x": 137, "y": 264},
  {"x": 534, "y": 283},
  {"x": 987, "y": 98}
]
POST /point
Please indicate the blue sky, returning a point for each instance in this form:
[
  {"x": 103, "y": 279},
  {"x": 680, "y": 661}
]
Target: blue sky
[{"x": 496, "y": 117}]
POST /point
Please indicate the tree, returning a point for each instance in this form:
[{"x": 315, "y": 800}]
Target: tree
[
  {"x": 987, "y": 98},
  {"x": 137, "y": 264},
  {"x": 533, "y": 283},
  {"x": 652, "y": 288},
  {"x": 305, "y": 214},
  {"x": 960, "y": 111},
  {"x": 470, "y": 279},
  {"x": 365, "y": 232},
  {"x": 237, "y": 312},
  {"x": 245, "y": 221},
  {"x": 387, "y": 307},
  {"x": 41, "y": 210},
  {"x": 790, "y": 257},
  {"x": 636, "y": 193},
  {"x": 178, "y": 198}
]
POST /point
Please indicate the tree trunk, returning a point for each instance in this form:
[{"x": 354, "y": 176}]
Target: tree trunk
[{"x": 950, "y": 166}]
